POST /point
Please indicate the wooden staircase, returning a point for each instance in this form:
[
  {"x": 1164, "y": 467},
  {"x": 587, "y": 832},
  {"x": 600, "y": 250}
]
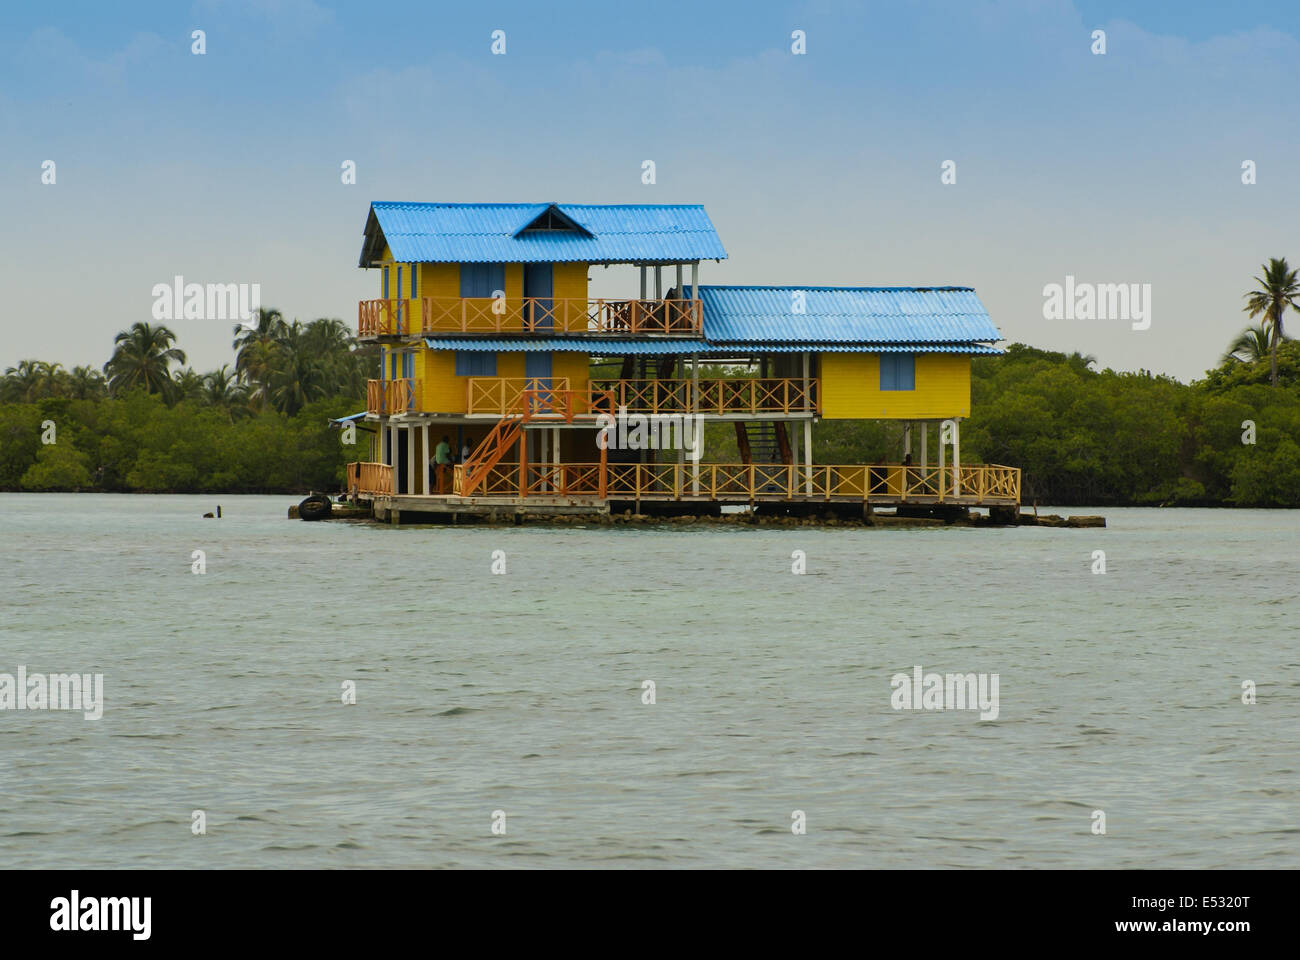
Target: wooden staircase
[
  {"x": 763, "y": 442},
  {"x": 508, "y": 430}
]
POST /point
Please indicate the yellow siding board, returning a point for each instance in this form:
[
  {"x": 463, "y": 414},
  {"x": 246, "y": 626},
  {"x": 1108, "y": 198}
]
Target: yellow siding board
[
  {"x": 439, "y": 280},
  {"x": 510, "y": 364},
  {"x": 443, "y": 391},
  {"x": 569, "y": 281},
  {"x": 575, "y": 366},
  {"x": 851, "y": 388}
]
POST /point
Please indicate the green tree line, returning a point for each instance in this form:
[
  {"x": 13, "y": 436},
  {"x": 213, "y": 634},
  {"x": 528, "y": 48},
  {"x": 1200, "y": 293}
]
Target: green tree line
[{"x": 148, "y": 423}]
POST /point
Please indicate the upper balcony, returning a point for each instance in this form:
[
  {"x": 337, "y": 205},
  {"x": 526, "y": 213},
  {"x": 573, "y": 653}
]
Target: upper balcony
[
  {"x": 429, "y": 316},
  {"x": 735, "y": 398}
]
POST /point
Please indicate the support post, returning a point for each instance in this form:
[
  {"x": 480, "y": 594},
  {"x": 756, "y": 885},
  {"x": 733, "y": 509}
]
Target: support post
[
  {"x": 659, "y": 281},
  {"x": 424, "y": 459},
  {"x": 956, "y": 456},
  {"x": 942, "y": 480},
  {"x": 604, "y": 470},
  {"x": 642, "y": 281},
  {"x": 695, "y": 284},
  {"x": 523, "y": 462},
  {"x": 695, "y": 408},
  {"x": 678, "y": 288},
  {"x": 543, "y": 440},
  {"x": 925, "y": 446},
  {"x": 392, "y": 449},
  {"x": 807, "y": 371},
  {"x": 807, "y": 457},
  {"x": 410, "y": 459}
]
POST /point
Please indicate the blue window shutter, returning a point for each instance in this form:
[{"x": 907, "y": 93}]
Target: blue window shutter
[
  {"x": 887, "y": 377},
  {"x": 481, "y": 279},
  {"x": 384, "y": 271},
  {"x": 472, "y": 363},
  {"x": 898, "y": 371},
  {"x": 469, "y": 273},
  {"x": 399, "y": 282},
  {"x": 415, "y": 272}
]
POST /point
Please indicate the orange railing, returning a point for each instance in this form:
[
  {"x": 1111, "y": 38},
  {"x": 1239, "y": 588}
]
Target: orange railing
[
  {"x": 767, "y": 395},
  {"x": 430, "y": 315},
  {"x": 391, "y": 396},
  {"x": 983, "y": 484},
  {"x": 501, "y": 395},
  {"x": 369, "y": 478}
]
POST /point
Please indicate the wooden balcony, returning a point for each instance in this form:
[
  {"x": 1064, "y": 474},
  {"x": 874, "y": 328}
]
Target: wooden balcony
[
  {"x": 501, "y": 395},
  {"x": 369, "y": 478},
  {"x": 428, "y": 316},
  {"x": 986, "y": 485},
  {"x": 730, "y": 396},
  {"x": 387, "y": 397}
]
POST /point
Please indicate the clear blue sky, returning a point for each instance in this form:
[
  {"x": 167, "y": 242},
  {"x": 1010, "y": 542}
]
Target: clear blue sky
[{"x": 816, "y": 169}]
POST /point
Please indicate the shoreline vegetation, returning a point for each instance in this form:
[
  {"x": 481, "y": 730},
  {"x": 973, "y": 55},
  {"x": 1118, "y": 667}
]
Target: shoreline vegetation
[{"x": 1082, "y": 437}]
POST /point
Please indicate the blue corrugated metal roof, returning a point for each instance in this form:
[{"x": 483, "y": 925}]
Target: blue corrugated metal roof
[
  {"x": 844, "y": 314},
  {"x": 495, "y": 233},
  {"x": 979, "y": 349},
  {"x": 667, "y": 347}
]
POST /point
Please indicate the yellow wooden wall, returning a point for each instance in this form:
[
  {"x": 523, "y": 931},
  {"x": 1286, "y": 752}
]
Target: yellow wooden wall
[
  {"x": 441, "y": 390},
  {"x": 575, "y": 366},
  {"x": 444, "y": 392},
  {"x": 569, "y": 281},
  {"x": 439, "y": 280},
  {"x": 850, "y": 384}
]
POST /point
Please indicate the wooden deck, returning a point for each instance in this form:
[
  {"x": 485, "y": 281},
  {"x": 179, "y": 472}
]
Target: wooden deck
[
  {"x": 425, "y": 316},
  {"x": 985, "y": 485}
]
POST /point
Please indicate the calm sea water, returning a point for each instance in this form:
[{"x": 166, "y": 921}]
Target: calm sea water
[{"x": 522, "y": 692}]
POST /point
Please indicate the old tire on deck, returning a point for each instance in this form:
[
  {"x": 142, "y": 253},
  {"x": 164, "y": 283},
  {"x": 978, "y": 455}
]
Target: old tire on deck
[{"x": 315, "y": 507}]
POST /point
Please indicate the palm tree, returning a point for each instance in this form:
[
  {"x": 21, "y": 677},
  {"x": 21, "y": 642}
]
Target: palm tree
[
  {"x": 22, "y": 383},
  {"x": 1278, "y": 289},
  {"x": 142, "y": 357},
  {"x": 1081, "y": 362},
  {"x": 298, "y": 374},
  {"x": 189, "y": 384},
  {"x": 85, "y": 383},
  {"x": 220, "y": 387},
  {"x": 1251, "y": 346}
]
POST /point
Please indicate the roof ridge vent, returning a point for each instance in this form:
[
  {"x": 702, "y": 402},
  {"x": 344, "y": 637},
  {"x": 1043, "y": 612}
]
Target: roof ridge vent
[{"x": 554, "y": 219}]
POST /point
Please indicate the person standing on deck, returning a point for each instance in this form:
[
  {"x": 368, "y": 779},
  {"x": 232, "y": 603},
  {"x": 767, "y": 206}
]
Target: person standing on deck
[{"x": 441, "y": 463}]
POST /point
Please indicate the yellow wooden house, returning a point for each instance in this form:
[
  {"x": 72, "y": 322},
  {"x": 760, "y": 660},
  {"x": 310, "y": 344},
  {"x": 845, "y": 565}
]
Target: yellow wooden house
[{"x": 489, "y": 339}]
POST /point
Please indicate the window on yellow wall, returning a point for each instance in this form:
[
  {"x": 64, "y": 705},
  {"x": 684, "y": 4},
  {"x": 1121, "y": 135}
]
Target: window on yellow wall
[
  {"x": 472, "y": 363},
  {"x": 898, "y": 371}
]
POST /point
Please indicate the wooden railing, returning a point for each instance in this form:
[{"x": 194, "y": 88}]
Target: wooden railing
[
  {"x": 766, "y": 395},
  {"x": 369, "y": 478},
  {"x": 424, "y": 316},
  {"x": 985, "y": 484},
  {"x": 501, "y": 395},
  {"x": 391, "y": 396}
]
